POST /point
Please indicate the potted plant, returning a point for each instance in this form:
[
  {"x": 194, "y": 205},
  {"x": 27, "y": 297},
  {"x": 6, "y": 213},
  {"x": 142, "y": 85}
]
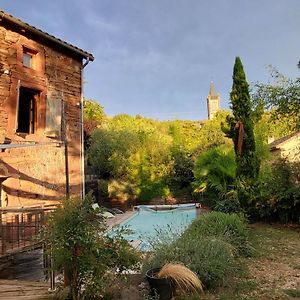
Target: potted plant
[
  {"x": 172, "y": 278},
  {"x": 160, "y": 286}
]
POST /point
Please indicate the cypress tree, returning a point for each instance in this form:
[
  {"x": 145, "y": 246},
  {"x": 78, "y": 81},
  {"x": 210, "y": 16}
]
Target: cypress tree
[{"x": 241, "y": 125}]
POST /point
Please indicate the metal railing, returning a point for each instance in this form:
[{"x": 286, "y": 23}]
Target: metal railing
[{"x": 19, "y": 228}]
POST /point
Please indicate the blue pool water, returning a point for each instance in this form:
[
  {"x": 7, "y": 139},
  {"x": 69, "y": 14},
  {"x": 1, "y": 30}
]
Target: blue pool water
[{"x": 146, "y": 224}]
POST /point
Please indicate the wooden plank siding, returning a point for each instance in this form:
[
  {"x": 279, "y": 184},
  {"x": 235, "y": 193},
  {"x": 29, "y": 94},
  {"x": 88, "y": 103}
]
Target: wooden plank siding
[{"x": 23, "y": 290}]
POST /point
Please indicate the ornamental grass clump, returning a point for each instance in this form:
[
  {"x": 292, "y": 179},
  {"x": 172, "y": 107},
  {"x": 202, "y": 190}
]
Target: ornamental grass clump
[{"x": 183, "y": 278}]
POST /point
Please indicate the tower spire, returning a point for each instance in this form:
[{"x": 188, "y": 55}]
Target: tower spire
[
  {"x": 213, "y": 101},
  {"x": 212, "y": 90}
]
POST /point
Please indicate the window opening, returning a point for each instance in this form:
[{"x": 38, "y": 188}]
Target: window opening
[
  {"x": 27, "y": 110},
  {"x": 29, "y": 58}
]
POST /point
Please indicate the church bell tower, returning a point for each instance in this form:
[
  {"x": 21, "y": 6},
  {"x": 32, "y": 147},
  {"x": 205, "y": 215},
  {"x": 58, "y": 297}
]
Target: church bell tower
[{"x": 213, "y": 101}]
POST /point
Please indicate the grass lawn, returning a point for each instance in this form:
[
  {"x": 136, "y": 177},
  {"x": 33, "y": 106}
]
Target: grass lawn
[{"x": 274, "y": 273}]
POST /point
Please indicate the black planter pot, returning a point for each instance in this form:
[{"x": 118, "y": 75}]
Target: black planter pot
[{"x": 162, "y": 287}]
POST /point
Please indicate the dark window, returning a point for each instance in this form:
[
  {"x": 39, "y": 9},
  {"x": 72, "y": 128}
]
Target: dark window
[{"x": 27, "y": 110}]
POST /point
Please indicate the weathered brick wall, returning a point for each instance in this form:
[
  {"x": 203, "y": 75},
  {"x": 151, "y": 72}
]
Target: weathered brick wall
[
  {"x": 64, "y": 79},
  {"x": 3, "y": 124},
  {"x": 5, "y": 81},
  {"x": 37, "y": 174}
]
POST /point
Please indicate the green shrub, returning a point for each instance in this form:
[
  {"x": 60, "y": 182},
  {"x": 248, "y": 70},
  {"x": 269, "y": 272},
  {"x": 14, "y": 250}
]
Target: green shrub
[
  {"x": 103, "y": 189},
  {"x": 229, "y": 202},
  {"x": 121, "y": 190},
  {"x": 212, "y": 259},
  {"x": 208, "y": 247},
  {"x": 230, "y": 228},
  {"x": 81, "y": 249},
  {"x": 278, "y": 193}
]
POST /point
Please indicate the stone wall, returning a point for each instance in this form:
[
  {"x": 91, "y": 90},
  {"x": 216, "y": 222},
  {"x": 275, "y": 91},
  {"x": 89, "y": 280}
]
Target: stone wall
[
  {"x": 290, "y": 150},
  {"x": 37, "y": 173},
  {"x": 3, "y": 125}
]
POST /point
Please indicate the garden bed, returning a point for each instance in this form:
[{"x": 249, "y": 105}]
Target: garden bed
[{"x": 274, "y": 273}]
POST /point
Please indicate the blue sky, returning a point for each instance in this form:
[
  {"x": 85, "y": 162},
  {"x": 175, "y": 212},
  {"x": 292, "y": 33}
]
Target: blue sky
[{"x": 157, "y": 57}]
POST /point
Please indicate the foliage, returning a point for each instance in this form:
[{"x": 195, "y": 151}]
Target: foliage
[
  {"x": 267, "y": 126},
  {"x": 120, "y": 190},
  {"x": 153, "y": 158},
  {"x": 81, "y": 248},
  {"x": 281, "y": 97},
  {"x": 110, "y": 151},
  {"x": 93, "y": 116},
  {"x": 182, "y": 175},
  {"x": 185, "y": 134},
  {"x": 215, "y": 172},
  {"x": 208, "y": 247},
  {"x": 215, "y": 169},
  {"x": 229, "y": 202},
  {"x": 93, "y": 111},
  {"x": 229, "y": 227},
  {"x": 210, "y": 258},
  {"x": 211, "y": 132},
  {"x": 241, "y": 125},
  {"x": 278, "y": 194}
]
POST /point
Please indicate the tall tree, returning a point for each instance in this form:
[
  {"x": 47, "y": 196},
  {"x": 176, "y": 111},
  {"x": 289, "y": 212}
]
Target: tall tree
[
  {"x": 93, "y": 116},
  {"x": 241, "y": 125},
  {"x": 93, "y": 111},
  {"x": 282, "y": 97}
]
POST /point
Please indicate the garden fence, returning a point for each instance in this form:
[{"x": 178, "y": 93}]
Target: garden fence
[{"x": 19, "y": 228}]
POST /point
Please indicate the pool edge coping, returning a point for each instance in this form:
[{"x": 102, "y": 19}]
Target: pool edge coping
[{"x": 118, "y": 219}]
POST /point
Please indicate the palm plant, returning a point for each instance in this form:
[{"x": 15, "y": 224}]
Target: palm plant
[{"x": 215, "y": 170}]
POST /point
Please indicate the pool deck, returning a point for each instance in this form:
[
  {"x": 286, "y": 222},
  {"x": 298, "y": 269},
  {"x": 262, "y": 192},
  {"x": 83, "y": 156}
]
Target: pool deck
[{"x": 119, "y": 219}]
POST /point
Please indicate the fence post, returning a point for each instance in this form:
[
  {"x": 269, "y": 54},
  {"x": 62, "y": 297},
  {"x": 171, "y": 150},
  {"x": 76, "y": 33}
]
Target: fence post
[
  {"x": 52, "y": 274},
  {"x": 3, "y": 237},
  {"x": 18, "y": 229}
]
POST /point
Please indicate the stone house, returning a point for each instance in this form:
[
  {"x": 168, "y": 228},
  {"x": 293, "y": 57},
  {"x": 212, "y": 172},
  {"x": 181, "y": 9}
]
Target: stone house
[
  {"x": 287, "y": 147},
  {"x": 41, "y": 140}
]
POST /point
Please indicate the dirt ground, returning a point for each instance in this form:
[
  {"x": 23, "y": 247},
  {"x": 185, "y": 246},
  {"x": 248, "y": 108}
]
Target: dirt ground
[{"x": 276, "y": 270}]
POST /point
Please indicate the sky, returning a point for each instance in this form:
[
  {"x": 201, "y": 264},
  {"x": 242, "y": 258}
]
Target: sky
[{"x": 157, "y": 58}]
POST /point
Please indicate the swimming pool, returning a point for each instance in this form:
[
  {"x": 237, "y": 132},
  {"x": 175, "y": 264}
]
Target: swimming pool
[{"x": 147, "y": 223}]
